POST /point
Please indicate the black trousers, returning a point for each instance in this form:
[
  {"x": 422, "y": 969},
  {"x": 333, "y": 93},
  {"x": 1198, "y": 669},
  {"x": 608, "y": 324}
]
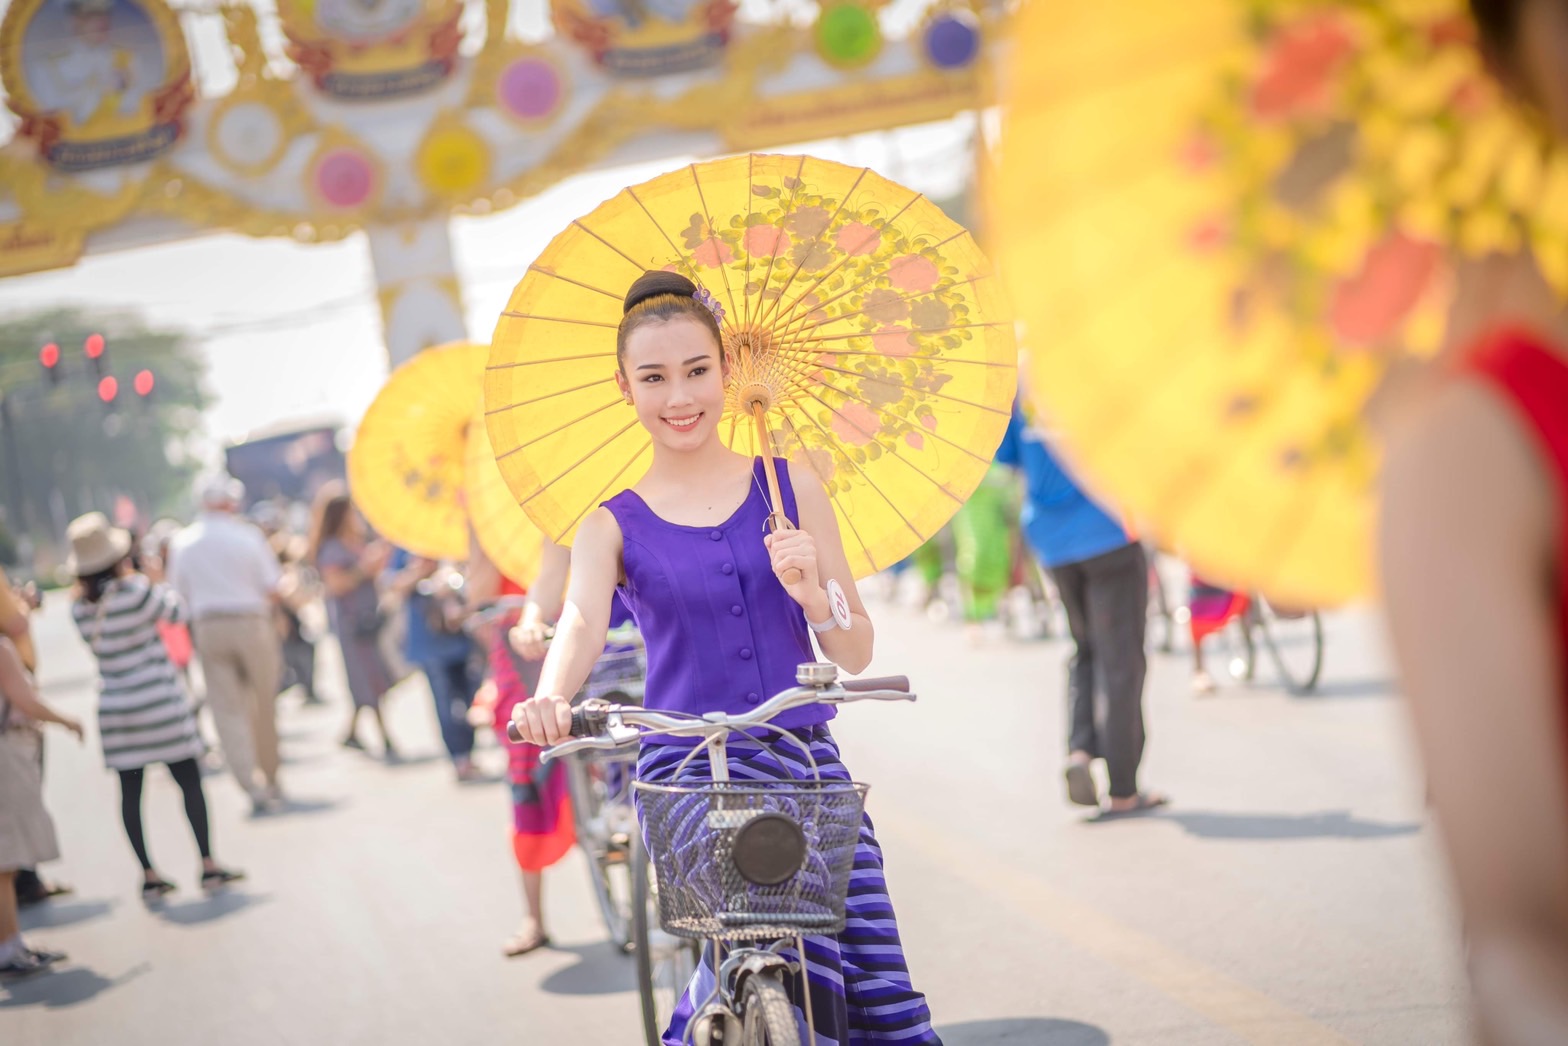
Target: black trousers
[{"x": 1107, "y": 599}]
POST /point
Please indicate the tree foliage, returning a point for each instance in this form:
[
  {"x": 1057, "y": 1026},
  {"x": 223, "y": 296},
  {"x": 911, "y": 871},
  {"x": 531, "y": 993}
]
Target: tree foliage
[{"x": 76, "y": 454}]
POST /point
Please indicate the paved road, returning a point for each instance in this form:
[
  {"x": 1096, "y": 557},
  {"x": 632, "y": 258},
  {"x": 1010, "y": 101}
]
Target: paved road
[{"x": 1289, "y": 895}]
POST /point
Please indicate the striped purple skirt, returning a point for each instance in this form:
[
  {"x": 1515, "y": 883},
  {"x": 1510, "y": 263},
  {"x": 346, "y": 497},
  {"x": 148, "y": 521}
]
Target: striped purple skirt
[{"x": 861, "y": 993}]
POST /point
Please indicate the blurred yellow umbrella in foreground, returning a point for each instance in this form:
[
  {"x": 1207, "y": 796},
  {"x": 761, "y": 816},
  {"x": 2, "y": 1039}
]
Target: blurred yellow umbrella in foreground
[
  {"x": 865, "y": 334},
  {"x": 405, "y": 469},
  {"x": 1224, "y": 222}
]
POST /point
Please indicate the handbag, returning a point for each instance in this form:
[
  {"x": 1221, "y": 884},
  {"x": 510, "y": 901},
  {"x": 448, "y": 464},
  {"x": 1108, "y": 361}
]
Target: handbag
[{"x": 368, "y": 623}]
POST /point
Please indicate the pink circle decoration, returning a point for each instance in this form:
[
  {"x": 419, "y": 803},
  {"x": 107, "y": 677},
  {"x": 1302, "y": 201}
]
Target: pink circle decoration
[
  {"x": 530, "y": 89},
  {"x": 344, "y": 178}
]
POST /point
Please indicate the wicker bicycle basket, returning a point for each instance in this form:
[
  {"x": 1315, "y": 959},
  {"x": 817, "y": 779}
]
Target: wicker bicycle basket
[{"x": 692, "y": 830}]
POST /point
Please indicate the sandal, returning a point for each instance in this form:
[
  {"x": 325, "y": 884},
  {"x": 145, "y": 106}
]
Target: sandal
[
  {"x": 46, "y": 890},
  {"x": 1146, "y": 801},
  {"x": 220, "y": 877},
  {"x": 1080, "y": 785},
  {"x": 29, "y": 962},
  {"x": 154, "y": 889},
  {"x": 520, "y": 945}
]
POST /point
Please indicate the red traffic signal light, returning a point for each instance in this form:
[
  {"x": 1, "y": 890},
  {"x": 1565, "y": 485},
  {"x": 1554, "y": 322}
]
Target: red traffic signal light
[
  {"x": 93, "y": 346},
  {"x": 143, "y": 383},
  {"x": 108, "y": 389},
  {"x": 49, "y": 356}
]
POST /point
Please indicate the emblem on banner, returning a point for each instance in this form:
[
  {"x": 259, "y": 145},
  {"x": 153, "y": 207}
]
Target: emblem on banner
[
  {"x": 370, "y": 49},
  {"x": 648, "y": 37},
  {"x": 97, "y": 83}
]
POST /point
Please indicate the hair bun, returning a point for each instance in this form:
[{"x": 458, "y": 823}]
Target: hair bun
[{"x": 655, "y": 282}]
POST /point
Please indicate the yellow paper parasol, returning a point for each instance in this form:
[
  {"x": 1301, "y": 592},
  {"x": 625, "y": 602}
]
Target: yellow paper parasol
[
  {"x": 405, "y": 470},
  {"x": 508, "y": 537},
  {"x": 1224, "y": 220},
  {"x": 864, "y": 331}
]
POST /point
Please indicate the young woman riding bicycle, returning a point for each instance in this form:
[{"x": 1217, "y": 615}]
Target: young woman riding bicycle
[{"x": 687, "y": 547}]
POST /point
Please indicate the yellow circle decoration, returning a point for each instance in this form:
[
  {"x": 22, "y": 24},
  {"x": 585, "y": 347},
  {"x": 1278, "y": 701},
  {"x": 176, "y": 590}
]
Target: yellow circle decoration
[{"x": 453, "y": 160}]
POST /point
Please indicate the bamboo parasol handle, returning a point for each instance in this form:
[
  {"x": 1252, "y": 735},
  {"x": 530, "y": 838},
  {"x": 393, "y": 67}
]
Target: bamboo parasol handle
[{"x": 776, "y": 517}]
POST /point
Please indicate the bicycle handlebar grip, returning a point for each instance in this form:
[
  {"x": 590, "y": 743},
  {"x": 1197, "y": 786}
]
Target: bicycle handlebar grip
[
  {"x": 586, "y": 722},
  {"x": 860, "y": 686}
]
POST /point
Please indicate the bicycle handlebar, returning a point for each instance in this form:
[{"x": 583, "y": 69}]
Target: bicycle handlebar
[{"x": 599, "y": 725}]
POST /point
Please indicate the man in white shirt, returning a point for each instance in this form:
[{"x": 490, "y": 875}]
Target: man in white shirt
[{"x": 228, "y": 576}]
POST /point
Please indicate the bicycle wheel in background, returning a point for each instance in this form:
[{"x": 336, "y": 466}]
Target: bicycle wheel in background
[
  {"x": 1295, "y": 644},
  {"x": 665, "y": 963},
  {"x": 1162, "y": 609},
  {"x": 605, "y": 821},
  {"x": 767, "y": 1018},
  {"x": 1240, "y": 645}
]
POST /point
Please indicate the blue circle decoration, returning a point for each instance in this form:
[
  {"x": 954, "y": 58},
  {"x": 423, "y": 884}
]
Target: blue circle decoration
[{"x": 952, "y": 40}]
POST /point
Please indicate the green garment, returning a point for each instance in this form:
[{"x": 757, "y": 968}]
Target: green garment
[{"x": 983, "y": 544}]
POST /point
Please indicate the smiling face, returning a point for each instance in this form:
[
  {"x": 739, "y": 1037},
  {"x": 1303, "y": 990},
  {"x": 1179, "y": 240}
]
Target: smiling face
[{"x": 674, "y": 373}]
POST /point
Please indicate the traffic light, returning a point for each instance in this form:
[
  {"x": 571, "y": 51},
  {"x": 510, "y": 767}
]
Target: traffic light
[
  {"x": 143, "y": 384},
  {"x": 93, "y": 349},
  {"x": 108, "y": 389},
  {"x": 49, "y": 356}
]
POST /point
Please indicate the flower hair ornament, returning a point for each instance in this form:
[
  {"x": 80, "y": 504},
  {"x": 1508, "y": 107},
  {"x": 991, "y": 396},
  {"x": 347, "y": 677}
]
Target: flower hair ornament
[{"x": 704, "y": 297}]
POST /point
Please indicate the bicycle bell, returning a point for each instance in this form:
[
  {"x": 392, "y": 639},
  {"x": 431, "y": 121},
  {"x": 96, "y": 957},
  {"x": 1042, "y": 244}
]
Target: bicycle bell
[{"x": 816, "y": 673}]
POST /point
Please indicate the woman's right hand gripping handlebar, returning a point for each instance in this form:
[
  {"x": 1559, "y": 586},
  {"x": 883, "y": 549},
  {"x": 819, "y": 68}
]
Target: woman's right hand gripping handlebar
[{"x": 543, "y": 720}]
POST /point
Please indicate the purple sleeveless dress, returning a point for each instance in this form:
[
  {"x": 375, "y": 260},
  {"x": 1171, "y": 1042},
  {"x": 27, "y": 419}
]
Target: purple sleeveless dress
[{"x": 722, "y": 634}]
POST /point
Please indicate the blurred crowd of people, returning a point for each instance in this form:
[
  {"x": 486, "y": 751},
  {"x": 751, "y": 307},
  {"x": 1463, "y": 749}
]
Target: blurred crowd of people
[{"x": 198, "y": 630}]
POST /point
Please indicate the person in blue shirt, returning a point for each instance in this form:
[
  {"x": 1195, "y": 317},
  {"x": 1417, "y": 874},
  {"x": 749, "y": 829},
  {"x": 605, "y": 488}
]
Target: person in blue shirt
[
  {"x": 442, "y": 652},
  {"x": 1102, "y": 575}
]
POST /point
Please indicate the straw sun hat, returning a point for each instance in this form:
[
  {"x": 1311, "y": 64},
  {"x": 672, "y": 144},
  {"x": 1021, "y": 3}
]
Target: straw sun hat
[{"x": 95, "y": 545}]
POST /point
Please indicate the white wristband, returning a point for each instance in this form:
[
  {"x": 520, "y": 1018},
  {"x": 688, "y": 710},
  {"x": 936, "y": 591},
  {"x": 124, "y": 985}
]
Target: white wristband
[{"x": 839, "y": 605}]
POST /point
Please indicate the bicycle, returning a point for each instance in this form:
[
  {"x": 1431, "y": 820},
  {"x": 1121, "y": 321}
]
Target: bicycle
[
  {"x": 1293, "y": 639},
  {"x": 600, "y": 787},
  {"x": 764, "y": 862}
]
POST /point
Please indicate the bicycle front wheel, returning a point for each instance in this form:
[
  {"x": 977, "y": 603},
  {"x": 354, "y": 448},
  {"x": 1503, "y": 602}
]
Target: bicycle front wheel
[
  {"x": 601, "y": 806},
  {"x": 1295, "y": 644},
  {"x": 767, "y": 1018},
  {"x": 665, "y": 963}
]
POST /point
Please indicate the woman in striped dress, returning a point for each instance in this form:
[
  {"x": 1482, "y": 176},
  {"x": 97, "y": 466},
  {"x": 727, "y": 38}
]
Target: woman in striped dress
[
  {"x": 726, "y": 614},
  {"x": 144, "y": 716}
]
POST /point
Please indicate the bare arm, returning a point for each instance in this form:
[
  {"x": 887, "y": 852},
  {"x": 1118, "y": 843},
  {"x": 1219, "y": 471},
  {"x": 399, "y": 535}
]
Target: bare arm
[
  {"x": 545, "y": 601},
  {"x": 580, "y": 632},
  {"x": 547, "y": 597},
  {"x": 1466, "y": 549},
  {"x": 817, "y": 550},
  {"x": 417, "y": 569},
  {"x": 481, "y": 578},
  {"x": 169, "y": 606},
  {"x": 18, "y": 690}
]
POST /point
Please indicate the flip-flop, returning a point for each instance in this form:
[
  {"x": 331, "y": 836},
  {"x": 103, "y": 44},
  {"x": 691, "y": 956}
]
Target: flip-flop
[
  {"x": 1080, "y": 785},
  {"x": 520, "y": 945},
  {"x": 1146, "y": 802},
  {"x": 219, "y": 878},
  {"x": 154, "y": 890}
]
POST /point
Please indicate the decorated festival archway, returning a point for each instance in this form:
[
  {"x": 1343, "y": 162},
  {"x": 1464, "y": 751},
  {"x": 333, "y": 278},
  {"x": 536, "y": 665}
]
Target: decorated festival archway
[{"x": 391, "y": 116}]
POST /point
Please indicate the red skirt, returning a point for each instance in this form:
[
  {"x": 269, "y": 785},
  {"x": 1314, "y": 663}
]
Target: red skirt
[{"x": 542, "y": 828}]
